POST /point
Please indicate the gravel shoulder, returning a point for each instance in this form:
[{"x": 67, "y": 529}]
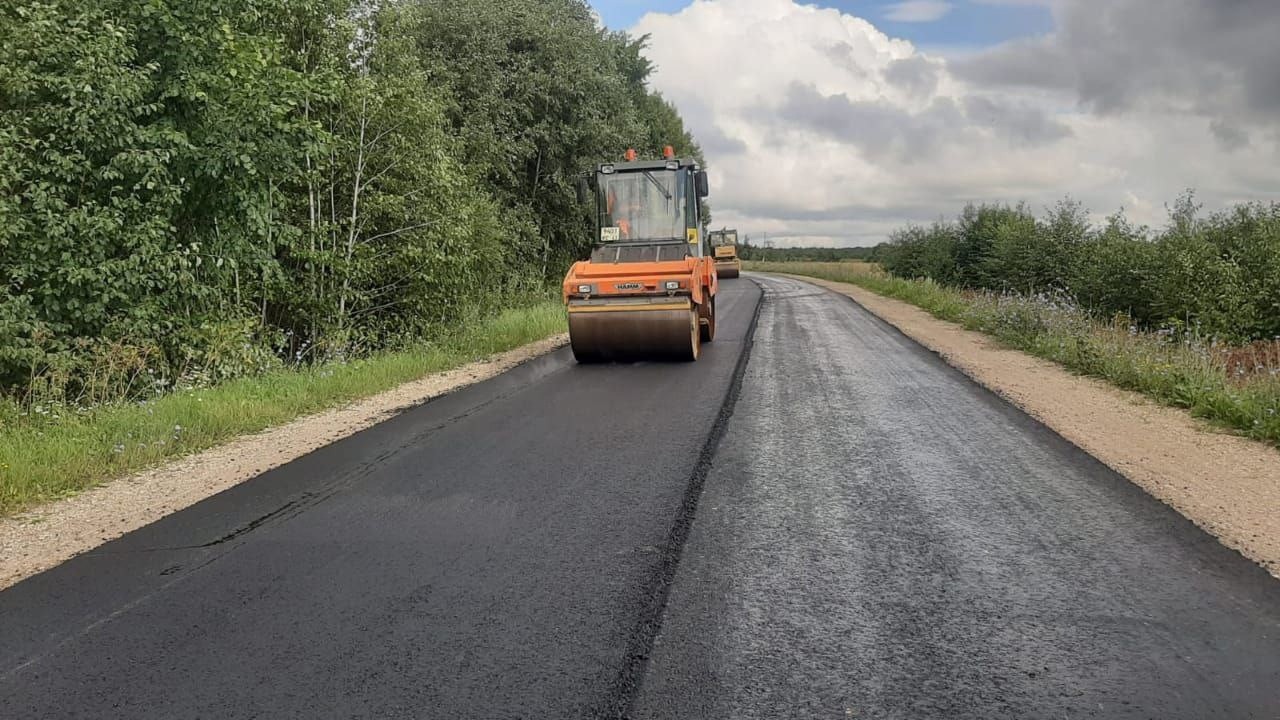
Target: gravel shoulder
[
  {"x": 1227, "y": 485},
  {"x": 35, "y": 541}
]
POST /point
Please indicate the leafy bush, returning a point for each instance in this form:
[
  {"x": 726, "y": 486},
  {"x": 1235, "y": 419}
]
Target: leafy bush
[{"x": 1215, "y": 276}]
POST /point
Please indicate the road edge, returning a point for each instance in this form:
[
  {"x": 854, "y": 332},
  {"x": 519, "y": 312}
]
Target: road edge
[
  {"x": 49, "y": 535},
  {"x": 1226, "y": 485}
]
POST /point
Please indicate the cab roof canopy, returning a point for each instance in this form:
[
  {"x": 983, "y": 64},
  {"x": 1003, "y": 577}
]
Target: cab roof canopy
[{"x": 625, "y": 166}]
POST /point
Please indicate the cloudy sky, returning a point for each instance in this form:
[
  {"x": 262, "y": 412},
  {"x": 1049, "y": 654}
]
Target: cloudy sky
[{"x": 837, "y": 122}]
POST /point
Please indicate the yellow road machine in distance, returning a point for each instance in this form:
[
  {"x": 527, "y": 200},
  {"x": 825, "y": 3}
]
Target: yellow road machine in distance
[{"x": 724, "y": 244}]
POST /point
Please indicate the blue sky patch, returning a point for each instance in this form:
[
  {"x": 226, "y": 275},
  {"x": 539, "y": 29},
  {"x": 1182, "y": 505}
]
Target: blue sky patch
[{"x": 967, "y": 24}]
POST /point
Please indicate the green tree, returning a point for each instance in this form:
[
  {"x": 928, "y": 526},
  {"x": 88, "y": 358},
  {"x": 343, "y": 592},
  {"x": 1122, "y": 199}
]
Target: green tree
[{"x": 203, "y": 185}]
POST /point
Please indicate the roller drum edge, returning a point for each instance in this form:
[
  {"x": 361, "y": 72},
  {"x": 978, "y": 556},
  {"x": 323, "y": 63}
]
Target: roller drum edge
[{"x": 634, "y": 335}]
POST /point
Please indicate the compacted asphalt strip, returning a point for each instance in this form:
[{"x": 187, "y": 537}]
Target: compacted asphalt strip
[
  {"x": 882, "y": 538},
  {"x": 493, "y": 553},
  {"x": 826, "y": 522}
]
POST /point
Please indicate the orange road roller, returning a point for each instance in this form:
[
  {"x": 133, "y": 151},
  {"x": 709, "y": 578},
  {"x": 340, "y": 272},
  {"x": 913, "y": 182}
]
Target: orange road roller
[
  {"x": 648, "y": 291},
  {"x": 724, "y": 243}
]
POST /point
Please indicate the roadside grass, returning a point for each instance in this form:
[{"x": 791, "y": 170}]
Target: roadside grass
[
  {"x": 1187, "y": 372},
  {"x": 60, "y": 451}
]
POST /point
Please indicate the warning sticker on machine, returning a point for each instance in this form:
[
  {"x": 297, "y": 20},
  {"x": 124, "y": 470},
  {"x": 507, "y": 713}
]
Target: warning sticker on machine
[{"x": 610, "y": 234}]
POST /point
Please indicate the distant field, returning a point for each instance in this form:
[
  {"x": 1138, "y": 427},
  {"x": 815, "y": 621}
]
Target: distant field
[{"x": 841, "y": 271}]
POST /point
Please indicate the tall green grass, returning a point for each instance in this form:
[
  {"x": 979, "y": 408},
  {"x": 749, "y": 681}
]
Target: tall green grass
[
  {"x": 49, "y": 452},
  {"x": 1186, "y": 372}
]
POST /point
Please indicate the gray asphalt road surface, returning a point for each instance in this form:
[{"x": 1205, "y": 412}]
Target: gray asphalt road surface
[
  {"x": 818, "y": 519},
  {"x": 882, "y": 538}
]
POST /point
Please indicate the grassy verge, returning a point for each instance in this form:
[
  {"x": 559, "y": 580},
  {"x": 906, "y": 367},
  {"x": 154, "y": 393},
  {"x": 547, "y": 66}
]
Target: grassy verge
[
  {"x": 63, "y": 451},
  {"x": 1187, "y": 373}
]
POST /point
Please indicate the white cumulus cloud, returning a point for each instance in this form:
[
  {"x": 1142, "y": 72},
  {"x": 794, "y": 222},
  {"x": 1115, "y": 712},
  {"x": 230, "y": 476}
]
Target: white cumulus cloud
[{"x": 820, "y": 129}]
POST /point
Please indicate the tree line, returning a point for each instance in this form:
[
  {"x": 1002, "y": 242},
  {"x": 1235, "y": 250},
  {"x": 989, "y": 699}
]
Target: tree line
[
  {"x": 1216, "y": 274},
  {"x": 205, "y": 188},
  {"x": 753, "y": 249}
]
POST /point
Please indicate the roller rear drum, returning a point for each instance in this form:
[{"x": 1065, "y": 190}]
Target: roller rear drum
[{"x": 608, "y": 335}]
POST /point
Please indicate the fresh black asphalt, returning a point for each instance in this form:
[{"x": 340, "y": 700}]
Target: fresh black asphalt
[{"x": 863, "y": 533}]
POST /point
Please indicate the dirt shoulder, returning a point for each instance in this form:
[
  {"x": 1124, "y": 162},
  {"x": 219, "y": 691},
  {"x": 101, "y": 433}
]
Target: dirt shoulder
[
  {"x": 37, "y": 540},
  {"x": 1227, "y": 485}
]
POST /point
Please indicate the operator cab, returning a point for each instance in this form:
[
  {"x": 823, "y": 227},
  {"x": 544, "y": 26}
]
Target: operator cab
[
  {"x": 723, "y": 238},
  {"x": 648, "y": 210}
]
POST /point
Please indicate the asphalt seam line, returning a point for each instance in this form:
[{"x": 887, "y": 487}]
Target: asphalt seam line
[{"x": 620, "y": 700}]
